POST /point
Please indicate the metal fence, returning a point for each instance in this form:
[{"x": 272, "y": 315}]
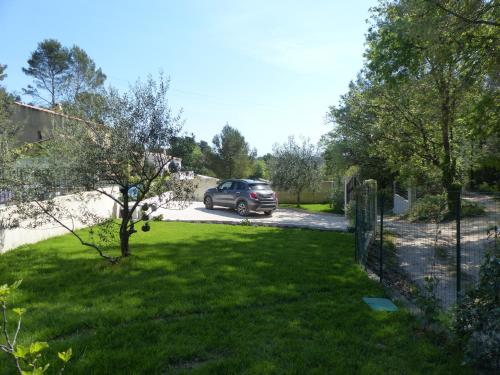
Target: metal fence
[
  {"x": 365, "y": 198},
  {"x": 434, "y": 250}
]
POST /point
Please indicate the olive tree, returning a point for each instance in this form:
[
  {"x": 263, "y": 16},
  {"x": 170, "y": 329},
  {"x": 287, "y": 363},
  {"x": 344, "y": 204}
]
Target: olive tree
[
  {"x": 124, "y": 159},
  {"x": 296, "y": 167}
]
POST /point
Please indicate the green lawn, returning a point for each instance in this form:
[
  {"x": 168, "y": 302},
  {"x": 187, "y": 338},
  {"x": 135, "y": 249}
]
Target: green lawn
[
  {"x": 313, "y": 207},
  {"x": 200, "y": 298}
]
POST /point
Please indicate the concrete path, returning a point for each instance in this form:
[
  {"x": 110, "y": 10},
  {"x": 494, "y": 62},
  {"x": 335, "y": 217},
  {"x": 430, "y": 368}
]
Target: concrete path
[{"x": 196, "y": 212}]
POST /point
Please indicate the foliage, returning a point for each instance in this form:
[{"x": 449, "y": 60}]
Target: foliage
[
  {"x": 431, "y": 208},
  {"x": 296, "y": 167},
  {"x": 477, "y": 318},
  {"x": 350, "y": 213},
  {"x": 434, "y": 208},
  {"x": 63, "y": 74},
  {"x": 2, "y": 72},
  {"x": 245, "y": 222},
  {"x": 127, "y": 153},
  {"x": 268, "y": 290},
  {"x": 231, "y": 156},
  {"x": 260, "y": 170},
  {"x": 428, "y": 300},
  {"x": 471, "y": 209},
  {"x": 194, "y": 158},
  {"x": 422, "y": 107},
  {"x": 8, "y": 129},
  {"x": 27, "y": 358}
]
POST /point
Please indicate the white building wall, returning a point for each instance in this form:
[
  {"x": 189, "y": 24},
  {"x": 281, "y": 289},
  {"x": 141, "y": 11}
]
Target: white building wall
[
  {"x": 97, "y": 203},
  {"x": 401, "y": 205}
]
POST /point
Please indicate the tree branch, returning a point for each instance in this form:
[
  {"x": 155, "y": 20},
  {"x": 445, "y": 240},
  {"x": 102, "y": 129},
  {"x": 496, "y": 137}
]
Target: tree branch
[
  {"x": 111, "y": 259},
  {"x": 464, "y": 18}
]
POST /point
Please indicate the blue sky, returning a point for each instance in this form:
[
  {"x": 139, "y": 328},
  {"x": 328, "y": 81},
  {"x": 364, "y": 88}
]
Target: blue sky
[{"x": 269, "y": 68}]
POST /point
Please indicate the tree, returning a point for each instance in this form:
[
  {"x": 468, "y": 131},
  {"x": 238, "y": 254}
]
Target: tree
[
  {"x": 128, "y": 152},
  {"x": 231, "y": 156},
  {"x": 61, "y": 74},
  {"x": 476, "y": 12},
  {"x": 48, "y": 65},
  {"x": 2, "y": 72},
  {"x": 260, "y": 170},
  {"x": 83, "y": 75},
  {"x": 296, "y": 167},
  {"x": 422, "y": 108},
  {"x": 433, "y": 65},
  {"x": 8, "y": 129}
]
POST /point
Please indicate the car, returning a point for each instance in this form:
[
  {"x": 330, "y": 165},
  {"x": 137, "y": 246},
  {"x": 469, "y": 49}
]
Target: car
[{"x": 243, "y": 196}]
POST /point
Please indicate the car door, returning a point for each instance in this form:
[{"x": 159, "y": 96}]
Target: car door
[
  {"x": 238, "y": 189},
  {"x": 222, "y": 196}
]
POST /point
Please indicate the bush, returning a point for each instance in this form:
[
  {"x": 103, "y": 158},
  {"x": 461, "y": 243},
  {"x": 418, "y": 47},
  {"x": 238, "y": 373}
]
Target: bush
[
  {"x": 434, "y": 208},
  {"x": 429, "y": 208},
  {"x": 477, "y": 318},
  {"x": 350, "y": 213},
  {"x": 338, "y": 201},
  {"x": 488, "y": 188},
  {"x": 471, "y": 209}
]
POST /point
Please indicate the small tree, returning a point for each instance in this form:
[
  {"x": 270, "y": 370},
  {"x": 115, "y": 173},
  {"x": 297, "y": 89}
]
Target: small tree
[
  {"x": 296, "y": 167},
  {"x": 125, "y": 160},
  {"x": 26, "y": 358}
]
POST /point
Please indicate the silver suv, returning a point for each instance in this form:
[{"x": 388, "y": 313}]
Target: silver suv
[{"x": 242, "y": 195}]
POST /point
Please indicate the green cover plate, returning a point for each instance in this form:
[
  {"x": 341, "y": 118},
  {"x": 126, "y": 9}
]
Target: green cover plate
[{"x": 380, "y": 304}]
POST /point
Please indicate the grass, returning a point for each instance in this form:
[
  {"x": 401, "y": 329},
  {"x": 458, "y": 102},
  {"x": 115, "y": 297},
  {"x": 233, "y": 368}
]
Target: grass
[
  {"x": 201, "y": 298},
  {"x": 312, "y": 207}
]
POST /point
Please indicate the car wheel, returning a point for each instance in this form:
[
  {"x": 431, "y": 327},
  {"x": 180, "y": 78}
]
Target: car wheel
[
  {"x": 268, "y": 213},
  {"x": 242, "y": 208},
  {"x": 209, "y": 204}
]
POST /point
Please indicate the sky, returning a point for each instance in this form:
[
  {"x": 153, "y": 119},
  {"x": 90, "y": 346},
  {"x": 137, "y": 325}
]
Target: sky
[{"x": 268, "y": 68}]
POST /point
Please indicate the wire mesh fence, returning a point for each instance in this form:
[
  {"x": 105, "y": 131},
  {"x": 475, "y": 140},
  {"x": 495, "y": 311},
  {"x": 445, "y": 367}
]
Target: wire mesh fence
[{"x": 435, "y": 249}]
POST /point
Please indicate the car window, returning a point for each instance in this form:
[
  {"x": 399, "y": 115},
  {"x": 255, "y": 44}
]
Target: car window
[
  {"x": 226, "y": 185},
  {"x": 241, "y": 186},
  {"x": 260, "y": 187}
]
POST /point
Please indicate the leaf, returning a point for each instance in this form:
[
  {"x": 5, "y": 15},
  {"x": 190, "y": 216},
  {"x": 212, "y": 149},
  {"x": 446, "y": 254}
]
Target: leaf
[
  {"x": 39, "y": 370},
  {"x": 38, "y": 346},
  {"x": 16, "y": 284},
  {"x": 65, "y": 356},
  {"x": 19, "y": 311},
  {"x": 20, "y": 351}
]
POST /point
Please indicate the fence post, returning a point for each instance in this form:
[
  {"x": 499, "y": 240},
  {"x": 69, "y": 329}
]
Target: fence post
[
  {"x": 381, "y": 250},
  {"x": 458, "y": 208},
  {"x": 356, "y": 228}
]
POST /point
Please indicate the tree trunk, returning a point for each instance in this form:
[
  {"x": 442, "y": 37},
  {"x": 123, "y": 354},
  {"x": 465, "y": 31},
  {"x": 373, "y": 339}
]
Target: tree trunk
[
  {"x": 124, "y": 243},
  {"x": 124, "y": 232},
  {"x": 298, "y": 199}
]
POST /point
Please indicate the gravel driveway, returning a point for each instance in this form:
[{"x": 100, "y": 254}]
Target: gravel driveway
[{"x": 282, "y": 217}]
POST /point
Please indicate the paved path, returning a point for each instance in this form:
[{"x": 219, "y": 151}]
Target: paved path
[
  {"x": 426, "y": 249},
  {"x": 282, "y": 217}
]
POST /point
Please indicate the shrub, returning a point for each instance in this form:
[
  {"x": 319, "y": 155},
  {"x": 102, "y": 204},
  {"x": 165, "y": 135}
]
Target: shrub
[
  {"x": 429, "y": 208},
  {"x": 471, "y": 209},
  {"x": 158, "y": 217},
  {"x": 338, "y": 201},
  {"x": 488, "y": 188},
  {"x": 434, "y": 208},
  {"x": 477, "y": 318},
  {"x": 350, "y": 213}
]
